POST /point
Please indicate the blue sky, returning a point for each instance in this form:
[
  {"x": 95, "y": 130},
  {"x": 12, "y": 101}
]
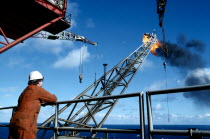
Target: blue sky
[{"x": 118, "y": 27}]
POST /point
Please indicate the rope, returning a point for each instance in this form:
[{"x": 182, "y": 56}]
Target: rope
[
  {"x": 167, "y": 97},
  {"x": 164, "y": 63},
  {"x": 97, "y": 56},
  {"x": 161, "y": 10},
  {"x": 81, "y": 63}
]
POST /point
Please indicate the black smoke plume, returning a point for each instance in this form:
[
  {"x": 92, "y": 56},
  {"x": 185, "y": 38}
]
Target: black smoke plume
[
  {"x": 186, "y": 56},
  {"x": 183, "y": 58},
  {"x": 198, "y": 45},
  {"x": 198, "y": 77}
]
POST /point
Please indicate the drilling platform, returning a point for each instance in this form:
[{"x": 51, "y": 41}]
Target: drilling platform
[
  {"x": 23, "y": 19},
  {"x": 28, "y": 18}
]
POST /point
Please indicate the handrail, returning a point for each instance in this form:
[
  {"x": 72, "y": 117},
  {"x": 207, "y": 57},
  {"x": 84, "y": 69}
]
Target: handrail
[
  {"x": 181, "y": 89},
  {"x": 189, "y": 132},
  {"x": 180, "y": 132},
  {"x": 151, "y": 131},
  {"x": 11, "y": 107},
  {"x": 127, "y": 131}
]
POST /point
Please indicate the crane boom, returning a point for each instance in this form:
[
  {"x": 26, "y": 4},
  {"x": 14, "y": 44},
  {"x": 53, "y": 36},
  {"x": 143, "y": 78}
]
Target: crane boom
[
  {"x": 113, "y": 82},
  {"x": 64, "y": 35},
  {"x": 161, "y": 4}
]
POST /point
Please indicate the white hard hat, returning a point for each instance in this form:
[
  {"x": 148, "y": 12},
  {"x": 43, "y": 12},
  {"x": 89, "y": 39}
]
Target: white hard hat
[{"x": 34, "y": 75}]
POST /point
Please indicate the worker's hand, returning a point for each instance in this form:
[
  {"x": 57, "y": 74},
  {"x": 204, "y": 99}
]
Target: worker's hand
[
  {"x": 43, "y": 104},
  {"x": 47, "y": 104}
]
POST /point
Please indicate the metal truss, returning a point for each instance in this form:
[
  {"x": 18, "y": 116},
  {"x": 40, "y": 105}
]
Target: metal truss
[
  {"x": 64, "y": 35},
  {"x": 113, "y": 82}
]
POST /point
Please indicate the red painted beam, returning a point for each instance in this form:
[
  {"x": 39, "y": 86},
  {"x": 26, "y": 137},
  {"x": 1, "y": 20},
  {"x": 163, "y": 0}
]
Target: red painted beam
[
  {"x": 10, "y": 45},
  {"x": 52, "y": 7},
  {"x": 4, "y": 36}
]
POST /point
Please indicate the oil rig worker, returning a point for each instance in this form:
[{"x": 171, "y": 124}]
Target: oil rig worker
[{"x": 23, "y": 124}]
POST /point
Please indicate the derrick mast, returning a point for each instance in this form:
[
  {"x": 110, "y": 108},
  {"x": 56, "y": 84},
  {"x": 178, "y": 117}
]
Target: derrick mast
[{"x": 113, "y": 82}]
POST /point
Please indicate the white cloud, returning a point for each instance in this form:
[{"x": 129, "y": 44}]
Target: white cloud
[
  {"x": 73, "y": 59},
  {"x": 158, "y": 107},
  {"x": 5, "y": 115},
  {"x": 202, "y": 75},
  {"x": 15, "y": 61},
  {"x": 101, "y": 115},
  {"x": 51, "y": 46},
  {"x": 147, "y": 64},
  {"x": 120, "y": 116},
  {"x": 156, "y": 85},
  {"x": 174, "y": 115},
  {"x": 44, "y": 45},
  {"x": 9, "y": 90},
  {"x": 207, "y": 115},
  {"x": 45, "y": 113},
  {"x": 90, "y": 23},
  {"x": 180, "y": 82},
  {"x": 8, "y": 95},
  {"x": 180, "y": 118},
  {"x": 73, "y": 9},
  {"x": 73, "y": 23}
]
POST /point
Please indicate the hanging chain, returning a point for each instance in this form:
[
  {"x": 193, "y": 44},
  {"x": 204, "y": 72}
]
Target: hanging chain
[{"x": 161, "y": 4}]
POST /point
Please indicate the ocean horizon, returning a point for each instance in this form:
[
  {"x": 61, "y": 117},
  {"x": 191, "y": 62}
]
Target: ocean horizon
[{"x": 4, "y": 132}]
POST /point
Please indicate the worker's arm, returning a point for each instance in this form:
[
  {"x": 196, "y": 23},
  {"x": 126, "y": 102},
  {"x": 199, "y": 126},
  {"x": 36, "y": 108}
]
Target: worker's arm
[{"x": 46, "y": 96}]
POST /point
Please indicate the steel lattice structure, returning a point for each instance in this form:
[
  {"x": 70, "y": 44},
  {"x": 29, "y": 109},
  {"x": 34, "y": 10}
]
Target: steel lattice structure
[
  {"x": 64, "y": 35},
  {"x": 113, "y": 82}
]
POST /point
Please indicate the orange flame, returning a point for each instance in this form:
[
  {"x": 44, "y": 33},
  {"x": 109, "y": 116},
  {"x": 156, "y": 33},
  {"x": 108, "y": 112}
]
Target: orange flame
[
  {"x": 146, "y": 37},
  {"x": 154, "y": 47}
]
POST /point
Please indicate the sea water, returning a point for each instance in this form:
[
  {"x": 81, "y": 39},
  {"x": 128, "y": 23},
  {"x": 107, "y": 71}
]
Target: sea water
[{"x": 4, "y": 132}]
